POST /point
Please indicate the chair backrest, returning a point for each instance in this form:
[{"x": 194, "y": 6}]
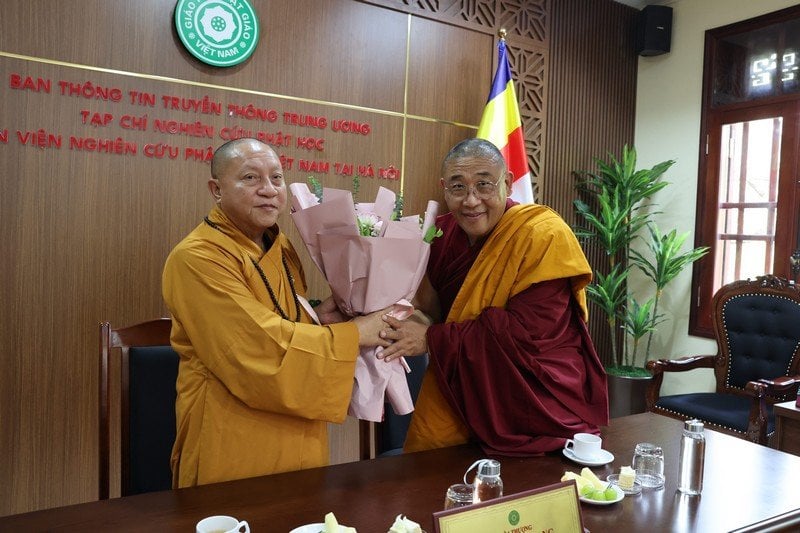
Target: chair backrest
[
  {"x": 757, "y": 325},
  {"x": 148, "y": 370}
]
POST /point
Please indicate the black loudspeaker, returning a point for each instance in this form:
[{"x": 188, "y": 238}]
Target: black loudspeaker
[{"x": 653, "y": 30}]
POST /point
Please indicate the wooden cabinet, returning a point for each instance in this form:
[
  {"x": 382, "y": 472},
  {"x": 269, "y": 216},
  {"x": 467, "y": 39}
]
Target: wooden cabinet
[{"x": 787, "y": 427}]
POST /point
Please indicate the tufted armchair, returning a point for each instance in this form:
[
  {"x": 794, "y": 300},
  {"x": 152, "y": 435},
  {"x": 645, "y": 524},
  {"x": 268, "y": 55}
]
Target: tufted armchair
[{"x": 757, "y": 327}]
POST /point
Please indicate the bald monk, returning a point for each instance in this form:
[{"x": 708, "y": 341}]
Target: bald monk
[
  {"x": 257, "y": 380},
  {"x": 512, "y": 365}
]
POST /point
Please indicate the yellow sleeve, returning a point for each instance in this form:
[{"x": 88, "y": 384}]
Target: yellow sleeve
[{"x": 267, "y": 362}]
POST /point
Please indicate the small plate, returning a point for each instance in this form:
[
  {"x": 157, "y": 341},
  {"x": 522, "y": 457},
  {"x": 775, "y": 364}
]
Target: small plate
[
  {"x": 313, "y": 528},
  {"x": 618, "y": 490},
  {"x": 614, "y": 480},
  {"x": 604, "y": 457}
]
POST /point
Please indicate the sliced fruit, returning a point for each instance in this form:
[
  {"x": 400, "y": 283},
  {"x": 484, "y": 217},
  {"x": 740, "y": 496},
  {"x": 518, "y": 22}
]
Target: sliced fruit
[
  {"x": 579, "y": 480},
  {"x": 593, "y": 479},
  {"x": 331, "y": 524}
]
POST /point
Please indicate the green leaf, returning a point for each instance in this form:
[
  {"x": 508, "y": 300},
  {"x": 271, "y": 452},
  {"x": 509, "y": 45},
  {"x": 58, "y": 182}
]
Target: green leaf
[
  {"x": 397, "y": 213},
  {"x": 616, "y": 210},
  {"x": 637, "y": 321},
  {"x": 431, "y": 234},
  {"x": 316, "y": 187},
  {"x": 667, "y": 260}
]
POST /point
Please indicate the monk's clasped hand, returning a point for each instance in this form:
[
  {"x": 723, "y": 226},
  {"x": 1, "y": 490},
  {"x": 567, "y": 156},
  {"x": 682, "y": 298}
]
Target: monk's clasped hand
[{"x": 407, "y": 337}]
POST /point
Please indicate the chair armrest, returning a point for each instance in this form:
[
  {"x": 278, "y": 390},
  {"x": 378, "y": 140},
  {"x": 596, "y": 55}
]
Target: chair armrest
[
  {"x": 657, "y": 369},
  {"x": 681, "y": 365},
  {"x": 759, "y": 391},
  {"x": 772, "y": 387}
]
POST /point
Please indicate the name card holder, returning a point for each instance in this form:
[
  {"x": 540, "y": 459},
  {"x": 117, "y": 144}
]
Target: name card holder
[{"x": 553, "y": 508}]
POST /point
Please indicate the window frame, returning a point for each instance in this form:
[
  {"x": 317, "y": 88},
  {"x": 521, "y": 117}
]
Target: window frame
[{"x": 711, "y": 120}]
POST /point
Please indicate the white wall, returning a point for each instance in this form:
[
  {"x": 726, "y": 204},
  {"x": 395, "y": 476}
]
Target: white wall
[{"x": 669, "y": 92}]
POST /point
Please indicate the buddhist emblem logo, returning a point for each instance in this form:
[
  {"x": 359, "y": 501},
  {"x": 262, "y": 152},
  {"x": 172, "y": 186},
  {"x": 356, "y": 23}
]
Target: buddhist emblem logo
[{"x": 221, "y": 33}]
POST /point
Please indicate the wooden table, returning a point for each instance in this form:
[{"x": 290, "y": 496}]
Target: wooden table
[
  {"x": 787, "y": 427},
  {"x": 745, "y": 484}
]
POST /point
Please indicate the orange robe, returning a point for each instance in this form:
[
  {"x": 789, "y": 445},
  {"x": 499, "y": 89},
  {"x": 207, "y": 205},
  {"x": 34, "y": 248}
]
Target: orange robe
[
  {"x": 513, "y": 366},
  {"x": 255, "y": 391}
]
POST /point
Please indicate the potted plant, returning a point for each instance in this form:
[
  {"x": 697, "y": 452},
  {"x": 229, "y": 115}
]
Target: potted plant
[{"x": 616, "y": 206}]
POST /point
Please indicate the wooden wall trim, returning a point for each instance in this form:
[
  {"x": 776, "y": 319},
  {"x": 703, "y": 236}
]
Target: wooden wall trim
[
  {"x": 524, "y": 20},
  {"x": 527, "y": 25}
]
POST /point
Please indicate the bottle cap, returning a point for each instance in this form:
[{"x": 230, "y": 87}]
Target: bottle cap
[
  {"x": 693, "y": 425},
  {"x": 489, "y": 467},
  {"x": 485, "y": 467}
]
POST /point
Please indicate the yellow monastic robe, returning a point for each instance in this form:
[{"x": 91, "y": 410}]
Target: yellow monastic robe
[
  {"x": 255, "y": 391},
  {"x": 530, "y": 244}
]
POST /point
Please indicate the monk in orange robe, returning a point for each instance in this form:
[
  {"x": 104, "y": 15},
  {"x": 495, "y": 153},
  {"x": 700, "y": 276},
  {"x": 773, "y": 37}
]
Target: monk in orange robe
[
  {"x": 512, "y": 365},
  {"x": 257, "y": 380}
]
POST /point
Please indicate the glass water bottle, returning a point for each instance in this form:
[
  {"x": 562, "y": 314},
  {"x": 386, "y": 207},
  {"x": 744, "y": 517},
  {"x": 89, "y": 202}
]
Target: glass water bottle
[
  {"x": 693, "y": 449},
  {"x": 488, "y": 484}
]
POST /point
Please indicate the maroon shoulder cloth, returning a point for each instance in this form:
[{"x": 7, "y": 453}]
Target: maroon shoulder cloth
[{"x": 523, "y": 378}]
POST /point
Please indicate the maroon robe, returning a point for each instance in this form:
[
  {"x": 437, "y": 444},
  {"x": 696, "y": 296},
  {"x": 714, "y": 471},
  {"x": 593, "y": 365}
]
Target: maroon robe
[{"x": 522, "y": 378}]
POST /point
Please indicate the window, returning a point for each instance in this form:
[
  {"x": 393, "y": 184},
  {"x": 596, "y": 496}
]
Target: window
[
  {"x": 745, "y": 234},
  {"x": 748, "y": 192}
]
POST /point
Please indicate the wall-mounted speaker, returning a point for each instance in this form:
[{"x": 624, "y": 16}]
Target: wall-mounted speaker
[{"x": 653, "y": 30}]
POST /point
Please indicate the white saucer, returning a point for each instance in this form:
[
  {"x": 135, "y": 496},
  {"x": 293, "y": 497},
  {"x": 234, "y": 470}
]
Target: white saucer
[
  {"x": 313, "y": 528},
  {"x": 636, "y": 489},
  {"x": 604, "y": 457}
]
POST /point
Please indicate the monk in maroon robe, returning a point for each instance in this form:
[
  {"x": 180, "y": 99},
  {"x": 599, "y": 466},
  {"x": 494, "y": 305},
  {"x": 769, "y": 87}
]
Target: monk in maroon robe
[{"x": 512, "y": 364}]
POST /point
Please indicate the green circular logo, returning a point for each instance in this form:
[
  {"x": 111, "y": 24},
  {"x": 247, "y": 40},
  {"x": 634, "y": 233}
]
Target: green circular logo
[
  {"x": 221, "y": 33},
  {"x": 513, "y": 518}
]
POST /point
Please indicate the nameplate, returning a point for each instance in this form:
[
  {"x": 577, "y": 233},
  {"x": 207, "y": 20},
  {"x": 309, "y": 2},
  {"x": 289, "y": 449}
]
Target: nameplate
[{"x": 553, "y": 508}]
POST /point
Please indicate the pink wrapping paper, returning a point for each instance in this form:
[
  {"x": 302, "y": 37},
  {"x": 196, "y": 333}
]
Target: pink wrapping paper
[
  {"x": 366, "y": 274},
  {"x": 376, "y": 379}
]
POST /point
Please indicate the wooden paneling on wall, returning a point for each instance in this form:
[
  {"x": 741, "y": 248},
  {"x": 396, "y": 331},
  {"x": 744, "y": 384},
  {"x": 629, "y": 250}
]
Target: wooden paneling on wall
[
  {"x": 86, "y": 234},
  {"x": 592, "y": 105},
  {"x": 528, "y": 37}
]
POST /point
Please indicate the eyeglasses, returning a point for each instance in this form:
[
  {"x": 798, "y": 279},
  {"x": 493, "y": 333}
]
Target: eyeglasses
[{"x": 483, "y": 190}]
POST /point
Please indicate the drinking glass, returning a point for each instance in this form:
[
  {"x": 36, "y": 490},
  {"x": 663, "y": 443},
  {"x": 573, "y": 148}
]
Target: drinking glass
[
  {"x": 648, "y": 461},
  {"x": 458, "y": 495}
]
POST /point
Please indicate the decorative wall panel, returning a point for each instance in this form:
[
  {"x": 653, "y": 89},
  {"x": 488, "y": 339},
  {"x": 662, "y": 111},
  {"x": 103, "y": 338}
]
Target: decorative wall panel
[
  {"x": 527, "y": 19},
  {"x": 527, "y": 34},
  {"x": 529, "y": 68},
  {"x": 591, "y": 108}
]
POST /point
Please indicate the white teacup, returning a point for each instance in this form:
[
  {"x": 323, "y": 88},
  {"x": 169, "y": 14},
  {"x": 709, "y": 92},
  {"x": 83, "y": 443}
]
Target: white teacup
[
  {"x": 222, "y": 524},
  {"x": 585, "y": 446}
]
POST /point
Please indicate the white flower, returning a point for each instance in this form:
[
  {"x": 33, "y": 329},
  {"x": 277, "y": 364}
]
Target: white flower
[{"x": 369, "y": 225}]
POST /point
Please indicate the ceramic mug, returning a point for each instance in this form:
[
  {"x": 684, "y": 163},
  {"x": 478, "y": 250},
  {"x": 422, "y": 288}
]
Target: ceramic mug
[
  {"x": 222, "y": 524},
  {"x": 585, "y": 446}
]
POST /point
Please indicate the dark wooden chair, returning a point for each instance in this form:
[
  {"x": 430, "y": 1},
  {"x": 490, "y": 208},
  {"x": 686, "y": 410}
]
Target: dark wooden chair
[
  {"x": 145, "y": 394},
  {"x": 757, "y": 328}
]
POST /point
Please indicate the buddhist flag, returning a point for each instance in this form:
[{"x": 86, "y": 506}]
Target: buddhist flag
[{"x": 501, "y": 125}]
